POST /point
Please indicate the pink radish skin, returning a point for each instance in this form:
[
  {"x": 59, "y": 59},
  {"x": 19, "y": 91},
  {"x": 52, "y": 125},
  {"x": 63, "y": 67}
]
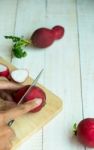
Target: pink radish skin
[
  {"x": 19, "y": 75},
  {"x": 4, "y": 71},
  {"x": 35, "y": 92},
  {"x": 58, "y": 32},
  {"x": 85, "y": 132},
  {"x": 44, "y": 37}
]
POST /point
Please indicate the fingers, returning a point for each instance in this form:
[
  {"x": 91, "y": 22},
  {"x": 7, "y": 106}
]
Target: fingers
[
  {"x": 4, "y": 129},
  {"x": 9, "y": 146},
  {"x": 5, "y": 95},
  {"x": 2, "y": 118},
  {"x": 4, "y": 85},
  {"x": 6, "y": 138},
  {"x": 6, "y": 105},
  {"x": 21, "y": 109},
  {"x": 7, "y": 131},
  {"x": 4, "y": 143}
]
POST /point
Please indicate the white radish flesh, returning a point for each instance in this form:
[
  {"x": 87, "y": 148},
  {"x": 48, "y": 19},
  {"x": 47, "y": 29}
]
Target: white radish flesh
[{"x": 19, "y": 75}]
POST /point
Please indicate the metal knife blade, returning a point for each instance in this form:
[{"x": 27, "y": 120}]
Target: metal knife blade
[{"x": 33, "y": 84}]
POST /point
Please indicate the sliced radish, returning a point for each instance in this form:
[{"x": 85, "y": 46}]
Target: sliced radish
[
  {"x": 4, "y": 71},
  {"x": 19, "y": 75}
]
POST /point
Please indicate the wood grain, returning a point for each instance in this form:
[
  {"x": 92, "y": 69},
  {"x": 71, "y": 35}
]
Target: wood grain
[
  {"x": 30, "y": 123},
  {"x": 32, "y": 13},
  {"x": 86, "y": 46},
  {"x": 65, "y": 78},
  {"x": 71, "y": 60},
  {"x": 7, "y": 25},
  {"x": 64, "y": 54}
]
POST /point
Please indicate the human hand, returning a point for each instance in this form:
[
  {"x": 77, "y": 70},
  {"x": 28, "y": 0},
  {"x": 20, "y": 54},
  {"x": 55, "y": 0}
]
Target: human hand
[
  {"x": 11, "y": 112},
  {"x": 7, "y": 89},
  {"x": 6, "y": 132}
]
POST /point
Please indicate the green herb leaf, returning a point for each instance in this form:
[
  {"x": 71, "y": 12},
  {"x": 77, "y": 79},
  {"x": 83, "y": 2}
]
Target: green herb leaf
[
  {"x": 75, "y": 129},
  {"x": 75, "y": 126},
  {"x": 18, "y": 51},
  {"x": 13, "y": 38},
  {"x": 18, "y": 44}
]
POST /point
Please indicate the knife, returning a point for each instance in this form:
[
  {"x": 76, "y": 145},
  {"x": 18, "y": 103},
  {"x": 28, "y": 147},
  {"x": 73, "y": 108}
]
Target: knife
[{"x": 22, "y": 98}]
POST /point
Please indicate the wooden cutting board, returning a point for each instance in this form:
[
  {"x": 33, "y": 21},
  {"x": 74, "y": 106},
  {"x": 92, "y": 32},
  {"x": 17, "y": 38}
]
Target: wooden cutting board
[{"x": 28, "y": 124}]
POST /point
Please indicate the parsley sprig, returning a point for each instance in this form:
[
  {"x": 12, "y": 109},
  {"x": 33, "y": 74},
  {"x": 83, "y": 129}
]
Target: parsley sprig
[{"x": 18, "y": 45}]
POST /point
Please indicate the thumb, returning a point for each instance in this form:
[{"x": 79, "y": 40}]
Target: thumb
[{"x": 21, "y": 109}]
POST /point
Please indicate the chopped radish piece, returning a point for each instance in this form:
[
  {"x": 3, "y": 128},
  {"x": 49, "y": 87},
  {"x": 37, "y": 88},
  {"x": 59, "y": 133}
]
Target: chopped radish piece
[
  {"x": 19, "y": 75},
  {"x": 4, "y": 71}
]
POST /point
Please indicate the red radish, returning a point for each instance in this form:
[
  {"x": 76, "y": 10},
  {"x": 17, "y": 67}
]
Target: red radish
[
  {"x": 58, "y": 32},
  {"x": 4, "y": 71},
  {"x": 35, "y": 92},
  {"x": 85, "y": 132},
  {"x": 19, "y": 75},
  {"x": 44, "y": 37}
]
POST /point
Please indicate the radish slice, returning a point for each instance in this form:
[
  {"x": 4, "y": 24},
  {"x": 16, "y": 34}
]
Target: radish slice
[
  {"x": 19, "y": 75},
  {"x": 4, "y": 71}
]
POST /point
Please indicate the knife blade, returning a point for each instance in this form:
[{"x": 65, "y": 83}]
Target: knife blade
[{"x": 33, "y": 84}]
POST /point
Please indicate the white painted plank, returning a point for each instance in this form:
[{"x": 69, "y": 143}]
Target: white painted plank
[
  {"x": 58, "y": 7},
  {"x": 33, "y": 143},
  {"x": 67, "y": 85},
  {"x": 86, "y": 36},
  {"x": 7, "y": 23},
  {"x": 86, "y": 40},
  {"x": 71, "y": 73},
  {"x": 63, "y": 77},
  {"x": 30, "y": 16}
]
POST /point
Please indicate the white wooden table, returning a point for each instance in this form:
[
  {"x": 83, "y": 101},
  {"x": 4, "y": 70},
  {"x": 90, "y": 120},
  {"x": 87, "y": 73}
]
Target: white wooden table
[{"x": 68, "y": 63}]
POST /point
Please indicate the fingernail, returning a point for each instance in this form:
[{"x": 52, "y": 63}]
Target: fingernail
[{"x": 38, "y": 101}]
